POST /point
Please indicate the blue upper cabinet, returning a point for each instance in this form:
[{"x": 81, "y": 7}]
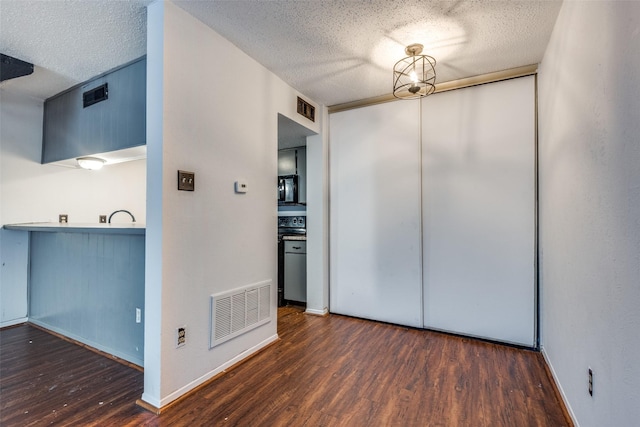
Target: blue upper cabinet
[{"x": 105, "y": 114}]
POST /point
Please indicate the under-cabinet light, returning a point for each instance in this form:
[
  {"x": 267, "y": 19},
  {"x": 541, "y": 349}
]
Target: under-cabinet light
[{"x": 90, "y": 163}]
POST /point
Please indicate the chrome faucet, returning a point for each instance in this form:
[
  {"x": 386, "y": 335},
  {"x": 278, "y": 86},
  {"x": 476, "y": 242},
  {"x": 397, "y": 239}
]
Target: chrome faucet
[{"x": 122, "y": 210}]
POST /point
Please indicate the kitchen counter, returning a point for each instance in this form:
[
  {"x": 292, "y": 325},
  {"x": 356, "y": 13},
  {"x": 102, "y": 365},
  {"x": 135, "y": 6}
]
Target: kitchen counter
[{"x": 57, "y": 227}]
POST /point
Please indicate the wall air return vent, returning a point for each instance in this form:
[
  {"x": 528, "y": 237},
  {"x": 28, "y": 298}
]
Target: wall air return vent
[
  {"x": 238, "y": 311},
  {"x": 95, "y": 95},
  {"x": 306, "y": 109}
]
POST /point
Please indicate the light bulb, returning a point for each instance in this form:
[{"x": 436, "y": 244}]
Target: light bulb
[{"x": 413, "y": 76}]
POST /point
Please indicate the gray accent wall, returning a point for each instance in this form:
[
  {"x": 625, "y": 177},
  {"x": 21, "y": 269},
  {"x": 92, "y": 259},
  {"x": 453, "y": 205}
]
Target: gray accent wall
[{"x": 87, "y": 286}]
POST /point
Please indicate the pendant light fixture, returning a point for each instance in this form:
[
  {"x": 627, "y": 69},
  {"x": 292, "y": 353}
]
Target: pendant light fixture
[{"x": 415, "y": 75}]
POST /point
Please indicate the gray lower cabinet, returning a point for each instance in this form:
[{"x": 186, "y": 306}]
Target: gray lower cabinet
[
  {"x": 76, "y": 125},
  {"x": 295, "y": 270}
]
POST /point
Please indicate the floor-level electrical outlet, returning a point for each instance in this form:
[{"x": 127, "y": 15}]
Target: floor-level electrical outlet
[
  {"x": 181, "y": 336},
  {"x": 103, "y": 219},
  {"x": 138, "y": 315},
  {"x": 63, "y": 218},
  {"x": 590, "y": 382}
]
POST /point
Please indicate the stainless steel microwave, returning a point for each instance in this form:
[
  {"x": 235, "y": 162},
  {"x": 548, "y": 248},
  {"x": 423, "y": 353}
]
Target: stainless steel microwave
[{"x": 287, "y": 189}]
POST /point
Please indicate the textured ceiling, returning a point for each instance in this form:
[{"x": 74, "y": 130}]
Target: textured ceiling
[
  {"x": 337, "y": 51},
  {"x": 332, "y": 51},
  {"x": 70, "y": 41}
]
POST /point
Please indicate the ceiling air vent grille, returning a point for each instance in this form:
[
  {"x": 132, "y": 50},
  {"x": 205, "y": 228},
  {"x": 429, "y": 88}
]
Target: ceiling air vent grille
[
  {"x": 306, "y": 109},
  {"x": 238, "y": 311},
  {"x": 95, "y": 95}
]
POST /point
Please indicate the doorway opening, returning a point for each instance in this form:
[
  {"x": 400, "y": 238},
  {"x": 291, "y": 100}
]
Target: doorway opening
[{"x": 292, "y": 212}]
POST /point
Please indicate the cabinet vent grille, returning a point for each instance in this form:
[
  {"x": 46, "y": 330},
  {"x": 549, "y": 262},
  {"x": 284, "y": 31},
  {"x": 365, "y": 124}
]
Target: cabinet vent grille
[
  {"x": 95, "y": 95},
  {"x": 238, "y": 311}
]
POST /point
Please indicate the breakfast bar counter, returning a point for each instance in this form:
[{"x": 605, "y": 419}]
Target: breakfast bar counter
[{"x": 62, "y": 227}]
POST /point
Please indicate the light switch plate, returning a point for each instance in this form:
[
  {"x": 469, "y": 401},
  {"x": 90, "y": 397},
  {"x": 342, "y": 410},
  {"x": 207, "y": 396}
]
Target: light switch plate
[
  {"x": 186, "y": 181},
  {"x": 241, "y": 186}
]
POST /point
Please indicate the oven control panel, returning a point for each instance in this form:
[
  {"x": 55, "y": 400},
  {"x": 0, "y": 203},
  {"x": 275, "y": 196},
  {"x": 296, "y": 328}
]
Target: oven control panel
[{"x": 292, "y": 222}]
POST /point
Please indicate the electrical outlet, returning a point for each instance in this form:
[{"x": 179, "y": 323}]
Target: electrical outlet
[
  {"x": 181, "y": 336},
  {"x": 63, "y": 218},
  {"x": 590, "y": 382},
  {"x": 241, "y": 186},
  {"x": 186, "y": 181},
  {"x": 103, "y": 219},
  {"x": 138, "y": 315}
]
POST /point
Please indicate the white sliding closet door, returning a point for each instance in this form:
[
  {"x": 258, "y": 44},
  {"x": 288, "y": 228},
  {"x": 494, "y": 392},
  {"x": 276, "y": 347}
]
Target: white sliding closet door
[
  {"x": 479, "y": 211},
  {"x": 375, "y": 213}
]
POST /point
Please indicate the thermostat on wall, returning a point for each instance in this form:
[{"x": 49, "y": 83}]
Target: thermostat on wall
[{"x": 241, "y": 186}]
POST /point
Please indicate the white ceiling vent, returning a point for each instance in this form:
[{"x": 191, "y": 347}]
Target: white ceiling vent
[{"x": 238, "y": 311}]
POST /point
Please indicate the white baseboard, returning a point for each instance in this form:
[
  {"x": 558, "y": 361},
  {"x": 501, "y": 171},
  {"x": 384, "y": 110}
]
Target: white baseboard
[
  {"x": 128, "y": 357},
  {"x": 206, "y": 377},
  {"x": 316, "y": 312},
  {"x": 555, "y": 379}
]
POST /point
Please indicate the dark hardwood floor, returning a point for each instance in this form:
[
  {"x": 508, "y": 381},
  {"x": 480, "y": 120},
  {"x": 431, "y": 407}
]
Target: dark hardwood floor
[{"x": 332, "y": 371}]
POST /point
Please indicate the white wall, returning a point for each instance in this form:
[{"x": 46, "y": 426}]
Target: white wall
[
  {"x": 32, "y": 192},
  {"x": 318, "y": 221},
  {"x": 589, "y": 99},
  {"x": 214, "y": 111}
]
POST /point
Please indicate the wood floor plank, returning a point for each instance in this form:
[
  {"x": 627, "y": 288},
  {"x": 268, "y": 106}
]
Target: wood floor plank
[{"x": 325, "y": 371}]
